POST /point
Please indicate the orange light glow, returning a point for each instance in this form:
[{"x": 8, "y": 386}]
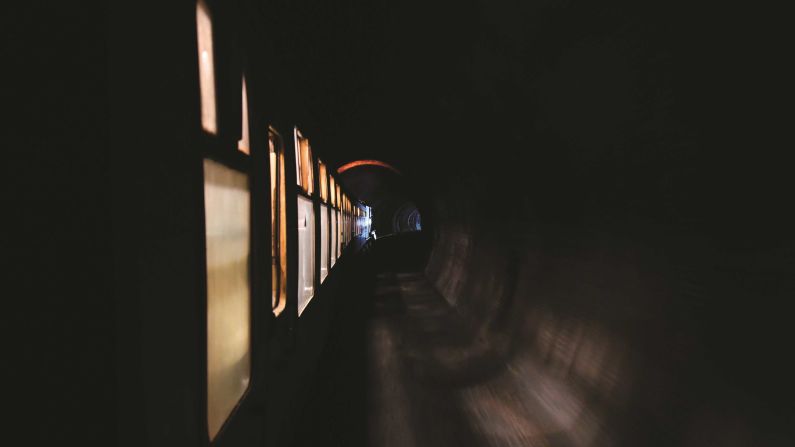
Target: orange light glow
[
  {"x": 244, "y": 143},
  {"x": 204, "y": 31},
  {"x": 357, "y": 163},
  {"x": 227, "y": 219}
]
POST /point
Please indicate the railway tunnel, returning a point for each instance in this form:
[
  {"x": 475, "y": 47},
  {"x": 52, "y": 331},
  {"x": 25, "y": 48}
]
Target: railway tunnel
[{"x": 572, "y": 230}]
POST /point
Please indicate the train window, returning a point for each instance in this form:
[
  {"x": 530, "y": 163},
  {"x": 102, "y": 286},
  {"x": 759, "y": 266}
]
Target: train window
[
  {"x": 244, "y": 143},
  {"x": 339, "y": 235},
  {"x": 227, "y": 217},
  {"x": 322, "y": 180},
  {"x": 333, "y": 236},
  {"x": 324, "y": 233},
  {"x": 278, "y": 224},
  {"x": 303, "y": 158},
  {"x": 204, "y": 38},
  {"x": 306, "y": 252},
  {"x": 339, "y": 204},
  {"x": 345, "y": 220},
  {"x": 333, "y": 189}
]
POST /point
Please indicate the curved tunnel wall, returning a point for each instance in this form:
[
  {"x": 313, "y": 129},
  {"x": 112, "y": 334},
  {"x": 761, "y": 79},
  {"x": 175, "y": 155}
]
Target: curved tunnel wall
[
  {"x": 643, "y": 331},
  {"x": 634, "y": 259}
]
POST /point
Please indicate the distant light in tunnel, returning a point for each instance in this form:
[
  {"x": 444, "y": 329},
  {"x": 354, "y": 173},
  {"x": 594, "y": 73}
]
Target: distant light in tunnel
[{"x": 357, "y": 163}]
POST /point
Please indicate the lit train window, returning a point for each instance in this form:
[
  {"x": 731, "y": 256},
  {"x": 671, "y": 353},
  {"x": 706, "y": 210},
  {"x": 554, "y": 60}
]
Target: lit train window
[
  {"x": 278, "y": 224},
  {"x": 333, "y": 188},
  {"x": 339, "y": 234},
  {"x": 333, "y": 236},
  {"x": 204, "y": 37},
  {"x": 244, "y": 143},
  {"x": 227, "y": 217},
  {"x": 324, "y": 248},
  {"x": 346, "y": 220},
  {"x": 306, "y": 252},
  {"x": 303, "y": 159},
  {"x": 342, "y": 217},
  {"x": 342, "y": 230},
  {"x": 322, "y": 180},
  {"x": 339, "y": 204}
]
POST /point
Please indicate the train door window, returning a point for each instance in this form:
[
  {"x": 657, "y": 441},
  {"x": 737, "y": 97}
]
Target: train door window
[
  {"x": 204, "y": 37},
  {"x": 322, "y": 180},
  {"x": 306, "y": 222},
  {"x": 341, "y": 217},
  {"x": 345, "y": 220},
  {"x": 339, "y": 234},
  {"x": 323, "y": 177},
  {"x": 306, "y": 252},
  {"x": 349, "y": 229},
  {"x": 303, "y": 157},
  {"x": 333, "y": 189},
  {"x": 244, "y": 143},
  {"x": 324, "y": 233},
  {"x": 342, "y": 221},
  {"x": 333, "y": 236},
  {"x": 278, "y": 223},
  {"x": 227, "y": 221}
]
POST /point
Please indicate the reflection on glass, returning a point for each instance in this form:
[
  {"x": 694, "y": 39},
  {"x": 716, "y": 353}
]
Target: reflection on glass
[
  {"x": 306, "y": 252},
  {"x": 244, "y": 143},
  {"x": 297, "y": 136},
  {"x": 339, "y": 234},
  {"x": 333, "y": 193},
  {"x": 204, "y": 37},
  {"x": 323, "y": 242},
  {"x": 323, "y": 180},
  {"x": 226, "y": 213},
  {"x": 303, "y": 163},
  {"x": 333, "y": 237},
  {"x": 278, "y": 225}
]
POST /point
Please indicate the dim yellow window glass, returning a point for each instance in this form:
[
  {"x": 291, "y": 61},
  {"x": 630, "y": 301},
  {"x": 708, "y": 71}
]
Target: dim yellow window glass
[
  {"x": 244, "y": 143},
  {"x": 340, "y": 236},
  {"x": 324, "y": 242},
  {"x": 306, "y": 252},
  {"x": 323, "y": 180},
  {"x": 204, "y": 37},
  {"x": 227, "y": 216},
  {"x": 333, "y": 188},
  {"x": 333, "y": 237},
  {"x": 303, "y": 162},
  {"x": 278, "y": 224}
]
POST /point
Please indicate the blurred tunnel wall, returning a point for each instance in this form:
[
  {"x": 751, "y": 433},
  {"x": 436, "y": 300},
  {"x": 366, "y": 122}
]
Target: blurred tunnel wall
[
  {"x": 660, "y": 329},
  {"x": 609, "y": 232}
]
